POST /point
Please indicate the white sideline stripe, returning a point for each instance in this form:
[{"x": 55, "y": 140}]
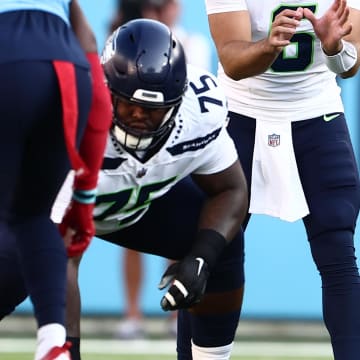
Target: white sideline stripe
[{"x": 167, "y": 347}]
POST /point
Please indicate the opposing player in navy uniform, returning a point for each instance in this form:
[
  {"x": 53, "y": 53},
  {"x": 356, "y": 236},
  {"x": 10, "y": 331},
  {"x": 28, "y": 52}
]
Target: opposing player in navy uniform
[
  {"x": 49, "y": 107},
  {"x": 170, "y": 122}
]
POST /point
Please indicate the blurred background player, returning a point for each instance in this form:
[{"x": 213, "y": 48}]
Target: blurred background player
[
  {"x": 278, "y": 65},
  {"x": 198, "y": 52},
  {"x": 46, "y": 94},
  {"x": 197, "y": 46}
]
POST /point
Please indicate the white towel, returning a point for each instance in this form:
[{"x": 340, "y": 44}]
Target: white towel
[
  {"x": 63, "y": 199},
  {"x": 275, "y": 187}
]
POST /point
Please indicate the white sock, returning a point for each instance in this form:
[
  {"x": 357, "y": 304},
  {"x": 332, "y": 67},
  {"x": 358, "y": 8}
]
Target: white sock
[
  {"x": 211, "y": 353},
  {"x": 48, "y": 336}
]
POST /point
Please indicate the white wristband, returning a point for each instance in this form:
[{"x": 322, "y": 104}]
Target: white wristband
[{"x": 342, "y": 61}]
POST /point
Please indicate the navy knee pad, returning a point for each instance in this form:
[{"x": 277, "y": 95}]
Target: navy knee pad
[
  {"x": 228, "y": 273},
  {"x": 332, "y": 212},
  {"x": 334, "y": 255}
]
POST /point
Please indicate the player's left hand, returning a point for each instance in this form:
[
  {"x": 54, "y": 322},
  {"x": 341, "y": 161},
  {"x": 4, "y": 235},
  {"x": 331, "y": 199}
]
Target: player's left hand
[
  {"x": 332, "y": 26},
  {"x": 77, "y": 227},
  {"x": 188, "y": 279}
]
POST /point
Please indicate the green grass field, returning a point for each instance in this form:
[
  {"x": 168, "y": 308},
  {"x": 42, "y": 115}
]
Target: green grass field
[
  {"x": 29, "y": 356},
  {"x": 22, "y": 349}
]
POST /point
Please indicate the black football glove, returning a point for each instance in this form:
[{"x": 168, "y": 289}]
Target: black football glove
[{"x": 188, "y": 279}]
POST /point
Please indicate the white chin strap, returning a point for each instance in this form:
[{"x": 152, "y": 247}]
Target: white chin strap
[{"x": 131, "y": 141}]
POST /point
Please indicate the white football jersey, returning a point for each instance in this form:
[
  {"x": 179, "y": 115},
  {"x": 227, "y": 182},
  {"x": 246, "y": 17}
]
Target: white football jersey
[
  {"x": 298, "y": 85},
  {"x": 198, "y": 144}
]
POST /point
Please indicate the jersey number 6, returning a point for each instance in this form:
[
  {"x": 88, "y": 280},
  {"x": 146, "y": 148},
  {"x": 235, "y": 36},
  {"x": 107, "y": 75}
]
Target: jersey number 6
[{"x": 304, "y": 42}]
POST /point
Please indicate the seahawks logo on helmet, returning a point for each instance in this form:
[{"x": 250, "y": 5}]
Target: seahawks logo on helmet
[{"x": 109, "y": 49}]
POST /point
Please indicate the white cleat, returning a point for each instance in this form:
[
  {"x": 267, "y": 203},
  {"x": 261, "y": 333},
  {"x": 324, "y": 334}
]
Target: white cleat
[{"x": 59, "y": 353}]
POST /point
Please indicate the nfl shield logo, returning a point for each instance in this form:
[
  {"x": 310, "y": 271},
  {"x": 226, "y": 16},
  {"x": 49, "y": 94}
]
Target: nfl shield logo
[{"x": 273, "y": 140}]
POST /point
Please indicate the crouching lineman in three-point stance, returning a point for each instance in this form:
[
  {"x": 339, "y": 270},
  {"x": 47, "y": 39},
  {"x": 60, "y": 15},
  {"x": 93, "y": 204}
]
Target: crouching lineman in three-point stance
[{"x": 170, "y": 122}]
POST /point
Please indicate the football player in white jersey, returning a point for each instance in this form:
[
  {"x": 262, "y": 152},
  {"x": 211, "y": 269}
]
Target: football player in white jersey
[
  {"x": 278, "y": 64},
  {"x": 170, "y": 122}
]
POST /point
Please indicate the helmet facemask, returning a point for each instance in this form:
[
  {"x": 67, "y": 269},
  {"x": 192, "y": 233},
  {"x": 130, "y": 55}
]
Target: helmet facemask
[{"x": 133, "y": 139}]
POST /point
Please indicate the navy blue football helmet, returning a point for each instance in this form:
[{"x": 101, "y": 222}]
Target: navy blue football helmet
[{"x": 145, "y": 64}]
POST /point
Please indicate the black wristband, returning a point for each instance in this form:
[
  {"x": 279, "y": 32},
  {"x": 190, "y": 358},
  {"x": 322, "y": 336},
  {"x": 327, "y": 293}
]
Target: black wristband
[{"x": 208, "y": 245}]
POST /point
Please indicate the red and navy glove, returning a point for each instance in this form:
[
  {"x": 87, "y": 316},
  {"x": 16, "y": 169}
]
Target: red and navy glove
[
  {"x": 77, "y": 226},
  {"x": 93, "y": 143}
]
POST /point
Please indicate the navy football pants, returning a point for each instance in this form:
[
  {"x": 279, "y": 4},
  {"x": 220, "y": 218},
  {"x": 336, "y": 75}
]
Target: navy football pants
[
  {"x": 329, "y": 176},
  {"x": 34, "y": 163}
]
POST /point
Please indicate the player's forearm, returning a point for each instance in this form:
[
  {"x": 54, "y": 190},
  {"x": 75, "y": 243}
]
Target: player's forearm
[
  {"x": 82, "y": 28},
  {"x": 225, "y": 213},
  {"x": 94, "y": 140},
  {"x": 220, "y": 220},
  {"x": 241, "y": 59},
  {"x": 238, "y": 54},
  {"x": 226, "y": 206}
]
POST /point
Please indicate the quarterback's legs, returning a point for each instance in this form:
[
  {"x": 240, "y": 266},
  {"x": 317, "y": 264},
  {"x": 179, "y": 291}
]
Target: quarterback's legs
[
  {"x": 242, "y": 130},
  {"x": 331, "y": 184},
  {"x": 168, "y": 229}
]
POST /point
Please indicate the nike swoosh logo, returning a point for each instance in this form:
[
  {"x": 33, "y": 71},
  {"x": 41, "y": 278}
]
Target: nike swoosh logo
[
  {"x": 201, "y": 264},
  {"x": 327, "y": 117}
]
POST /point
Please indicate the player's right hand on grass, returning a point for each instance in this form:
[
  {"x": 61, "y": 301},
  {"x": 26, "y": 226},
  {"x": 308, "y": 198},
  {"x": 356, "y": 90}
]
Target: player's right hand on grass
[{"x": 187, "y": 279}]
